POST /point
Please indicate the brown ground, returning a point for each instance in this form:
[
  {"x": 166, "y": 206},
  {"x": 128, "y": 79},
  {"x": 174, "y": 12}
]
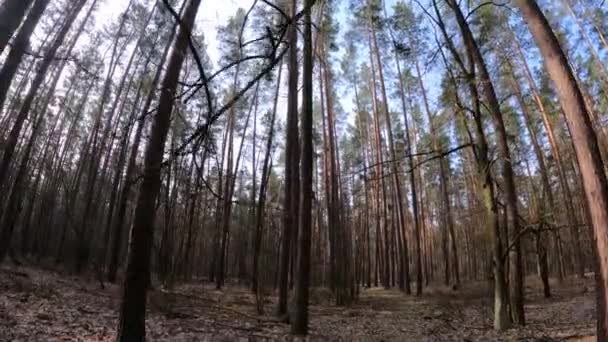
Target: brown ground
[{"x": 37, "y": 305}]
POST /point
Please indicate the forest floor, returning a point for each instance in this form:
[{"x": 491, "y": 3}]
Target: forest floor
[{"x": 40, "y": 305}]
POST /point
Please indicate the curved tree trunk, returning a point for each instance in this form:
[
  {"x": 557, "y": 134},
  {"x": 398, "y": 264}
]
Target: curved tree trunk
[
  {"x": 131, "y": 325},
  {"x": 487, "y": 191},
  {"x": 585, "y": 144},
  {"x": 516, "y": 270}
]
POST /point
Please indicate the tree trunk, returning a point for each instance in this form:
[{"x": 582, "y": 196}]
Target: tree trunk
[
  {"x": 540, "y": 158},
  {"x": 229, "y": 192},
  {"x": 383, "y": 268},
  {"x": 118, "y": 171},
  {"x": 401, "y": 226},
  {"x": 446, "y": 212},
  {"x": 585, "y": 144},
  {"x": 408, "y": 150},
  {"x": 131, "y": 164},
  {"x": 565, "y": 187},
  {"x": 516, "y": 283},
  {"x": 259, "y": 213},
  {"x": 487, "y": 195},
  {"x": 92, "y": 156},
  {"x": 20, "y": 44},
  {"x": 45, "y": 63},
  {"x": 339, "y": 242},
  {"x": 133, "y": 308},
  {"x": 300, "y": 320},
  {"x": 11, "y": 213},
  {"x": 12, "y": 13},
  {"x": 291, "y": 198}
]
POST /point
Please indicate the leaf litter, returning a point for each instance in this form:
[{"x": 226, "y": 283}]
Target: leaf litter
[{"x": 42, "y": 305}]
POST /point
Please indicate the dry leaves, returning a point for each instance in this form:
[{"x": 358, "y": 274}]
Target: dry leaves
[{"x": 37, "y": 305}]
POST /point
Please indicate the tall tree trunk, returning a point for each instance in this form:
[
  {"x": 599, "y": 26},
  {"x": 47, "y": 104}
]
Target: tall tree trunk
[
  {"x": 291, "y": 198},
  {"x": 12, "y": 13},
  {"x": 133, "y": 308},
  {"x": 408, "y": 150},
  {"x": 259, "y": 212},
  {"x": 363, "y": 130},
  {"x": 516, "y": 283},
  {"x": 20, "y": 44},
  {"x": 12, "y": 211},
  {"x": 230, "y": 176},
  {"x": 228, "y": 193},
  {"x": 446, "y": 211},
  {"x": 131, "y": 164},
  {"x": 401, "y": 243},
  {"x": 487, "y": 191},
  {"x": 67, "y": 102},
  {"x": 300, "y": 320},
  {"x": 563, "y": 181},
  {"x": 585, "y": 144},
  {"x": 381, "y": 197},
  {"x": 339, "y": 242},
  {"x": 28, "y": 101},
  {"x": 326, "y": 177},
  {"x": 93, "y": 154},
  {"x": 118, "y": 171},
  {"x": 540, "y": 158}
]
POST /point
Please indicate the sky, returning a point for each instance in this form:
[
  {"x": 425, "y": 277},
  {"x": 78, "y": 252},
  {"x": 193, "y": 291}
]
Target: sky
[{"x": 211, "y": 14}]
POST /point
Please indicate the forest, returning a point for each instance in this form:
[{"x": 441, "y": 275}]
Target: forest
[{"x": 306, "y": 170}]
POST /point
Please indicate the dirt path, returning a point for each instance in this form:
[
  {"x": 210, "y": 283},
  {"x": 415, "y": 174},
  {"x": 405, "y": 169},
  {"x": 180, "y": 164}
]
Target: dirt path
[
  {"x": 38, "y": 305},
  {"x": 388, "y": 315}
]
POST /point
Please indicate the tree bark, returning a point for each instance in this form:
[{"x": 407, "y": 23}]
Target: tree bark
[
  {"x": 12, "y": 211},
  {"x": 125, "y": 192},
  {"x": 540, "y": 158},
  {"x": 20, "y": 44},
  {"x": 11, "y": 143},
  {"x": 401, "y": 226},
  {"x": 487, "y": 191},
  {"x": 585, "y": 144},
  {"x": 291, "y": 198},
  {"x": 300, "y": 320},
  {"x": 447, "y": 219},
  {"x": 228, "y": 193},
  {"x": 516, "y": 283},
  {"x": 259, "y": 213},
  {"x": 133, "y": 308},
  {"x": 563, "y": 181},
  {"x": 12, "y": 13}
]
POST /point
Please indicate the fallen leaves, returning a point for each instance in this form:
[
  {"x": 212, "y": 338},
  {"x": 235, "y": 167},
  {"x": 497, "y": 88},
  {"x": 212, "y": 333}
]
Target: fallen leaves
[{"x": 38, "y": 305}]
